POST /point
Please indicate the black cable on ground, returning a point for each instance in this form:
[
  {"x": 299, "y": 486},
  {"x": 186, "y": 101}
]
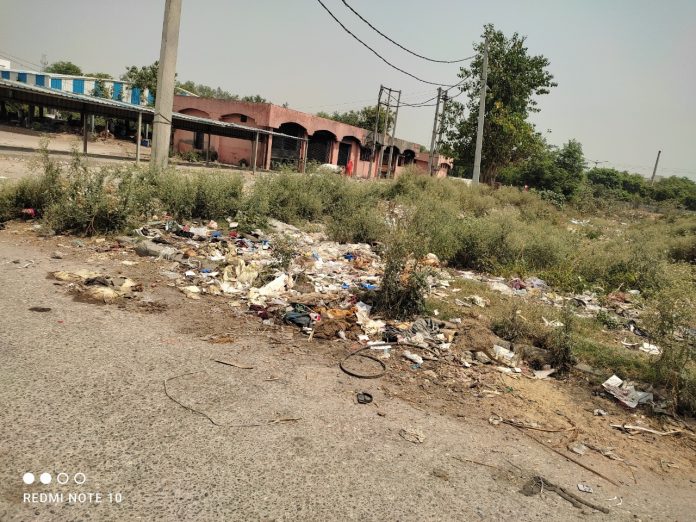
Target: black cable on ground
[{"x": 359, "y": 375}]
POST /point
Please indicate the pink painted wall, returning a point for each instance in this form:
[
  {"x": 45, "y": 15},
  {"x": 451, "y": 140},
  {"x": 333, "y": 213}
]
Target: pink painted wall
[{"x": 269, "y": 116}]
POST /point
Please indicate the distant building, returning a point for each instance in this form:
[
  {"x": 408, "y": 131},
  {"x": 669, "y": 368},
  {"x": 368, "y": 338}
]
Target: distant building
[
  {"x": 114, "y": 89},
  {"x": 328, "y": 141},
  {"x": 5, "y": 64}
]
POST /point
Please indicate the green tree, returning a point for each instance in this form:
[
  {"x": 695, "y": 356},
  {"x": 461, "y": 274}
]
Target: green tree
[
  {"x": 571, "y": 158},
  {"x": 64, "y": 68},
  {"x": 144, "y": 77},
  {"x": 363, "y": 118},
  {"x": 679, "y": 189},
  {"x": 557, "y": 170},
  {"x": 101, "y": 89},
  {"x": 205, "y": 91},
  {"x": 255, "y": 98},
  {"x": 101, "y": 76},
  {"x": 608, "y": 182},
  {"x": 515, "y": 79}
]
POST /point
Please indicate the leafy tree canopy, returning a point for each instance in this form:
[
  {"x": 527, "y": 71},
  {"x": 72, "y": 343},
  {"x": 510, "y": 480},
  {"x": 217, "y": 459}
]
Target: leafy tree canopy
[
  {"x": 557, "y": 170},
  {"x": 144, "y": 77},
  {"x": 515, "y": 79},
  {"x": 64, "y": 68},
  {"x": 205, "y": 91},
  {"x": 363, "y": 118},
  {"x": 100, "y": 76}
]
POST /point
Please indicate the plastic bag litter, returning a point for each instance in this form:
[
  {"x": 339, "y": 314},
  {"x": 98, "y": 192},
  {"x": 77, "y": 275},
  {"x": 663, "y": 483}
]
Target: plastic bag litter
[
  {"x": 362, "y": 312},
  {"x": 501, "y": 287},
  {"x": 505, "y": 356},
  {"x": 625, "y": 392},
  {"x": 97, "y": 287},
  {"x": 553, "y": 323},
  {"x": 415, "y": 358},
  {"x": 272, "y": 289},
  {"x": 74, "y": 277},
  {"x": 652, "y": 349},
  {"x": 192, "y": 291},
  {"x": 199, "y": 231},
  {"x": 150, "y": 249},
  {"x": 373, "y": 327},
  {"x": 241, "y": 272},
  {"x": 535, "y": 282}
]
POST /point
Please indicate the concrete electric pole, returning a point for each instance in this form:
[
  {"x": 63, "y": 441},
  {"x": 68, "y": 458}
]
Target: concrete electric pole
[
  {"x": 431, "y": 158},
  {"x": 657, "y": 160},
  {"x": 481, "y": 115},
  {"x": 164, "y": 100}
]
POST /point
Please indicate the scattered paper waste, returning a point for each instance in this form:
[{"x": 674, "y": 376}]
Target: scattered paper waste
[{"x": 625, "y": 392}]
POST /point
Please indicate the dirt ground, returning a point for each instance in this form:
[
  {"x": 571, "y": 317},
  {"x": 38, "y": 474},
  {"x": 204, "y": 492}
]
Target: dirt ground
[
  {"x": 131, "y": 395},
  {"x": 18, "y": 163}
]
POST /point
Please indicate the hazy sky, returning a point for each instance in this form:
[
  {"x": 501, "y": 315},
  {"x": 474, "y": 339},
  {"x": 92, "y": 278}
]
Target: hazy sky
[{"x": 626, "y": 70}]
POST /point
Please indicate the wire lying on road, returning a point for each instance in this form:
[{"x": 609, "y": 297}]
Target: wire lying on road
[{"x": 212, "y": 421}]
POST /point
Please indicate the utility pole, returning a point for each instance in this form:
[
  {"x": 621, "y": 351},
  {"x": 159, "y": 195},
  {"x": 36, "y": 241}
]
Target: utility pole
[
  {"x": 391, "y": 148},
  {"x": 481, "y": 115},
  {"x": 384, "y": 135},
  {"x": 657, "y": 160},
  {"x": 431, "y": 158},
  {"x": 374, "y": 135},
  {"x": 162, "y": 122}
]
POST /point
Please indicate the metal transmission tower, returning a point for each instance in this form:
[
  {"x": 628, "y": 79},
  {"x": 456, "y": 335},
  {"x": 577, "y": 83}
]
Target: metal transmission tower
[
  {"x": 431, "y": 157},
  {"x": 393, "y": 132},
  {"x": 374, "y": 135}
]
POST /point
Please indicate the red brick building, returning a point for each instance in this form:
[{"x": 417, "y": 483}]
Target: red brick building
[{"x": 327, "y": 141}]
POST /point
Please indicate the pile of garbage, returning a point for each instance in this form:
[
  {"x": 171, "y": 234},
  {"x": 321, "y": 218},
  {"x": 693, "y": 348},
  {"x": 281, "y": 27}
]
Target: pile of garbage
[
  {"x": 287, "y": 275},
  {"x": 588, "y": 304},
  {"x": 247, "y": 267},
  {"x": 621, "y": 308},
  {"x": 94, "y": 286}
]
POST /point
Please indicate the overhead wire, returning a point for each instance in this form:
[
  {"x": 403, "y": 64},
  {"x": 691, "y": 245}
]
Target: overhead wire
[
  {"x": 398, "y": 44},
  {"x": 432, "y": 104},
  {"x": 425, "y": 103},
  {"x": 375, "y": 52},
  {"x": 11, "y": 57}
]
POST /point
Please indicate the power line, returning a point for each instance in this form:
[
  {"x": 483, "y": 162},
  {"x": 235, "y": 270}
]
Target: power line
[
  {"x": 11, "y": 57},
  {"x": 619, "y": 165},
  {"x": 424, "y": 104},
  {"x": 398, "y": 44},
  {"x": 373, "y": 51},
  {"x": 445, "y": 91}
]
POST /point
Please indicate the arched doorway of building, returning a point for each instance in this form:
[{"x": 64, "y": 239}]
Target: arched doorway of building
[
  {"x": 286, "y": 151},
  {"x": 320, "y": 146}
]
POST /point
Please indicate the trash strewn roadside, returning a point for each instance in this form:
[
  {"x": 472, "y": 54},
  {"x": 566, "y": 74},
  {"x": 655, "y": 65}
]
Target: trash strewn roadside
[
  {"x": 625, "y": 392},
  {"x": 98, "y": 287}
]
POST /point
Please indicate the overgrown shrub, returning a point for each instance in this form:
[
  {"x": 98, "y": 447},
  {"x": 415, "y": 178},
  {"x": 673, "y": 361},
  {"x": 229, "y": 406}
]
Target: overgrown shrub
[
  {"x": 511, "y": 326},
  {"x": 669, "y": 317},
  {"x": 356, "y": 216},
  {"x": 561, "y": 343},
  {"x": 206, "y": 195},
  {"x": 34, "y": 192},
  {"x": 402, "y": 292},
  {"x": 103, "y": 200},
  {"x": 191, "y": 156}
]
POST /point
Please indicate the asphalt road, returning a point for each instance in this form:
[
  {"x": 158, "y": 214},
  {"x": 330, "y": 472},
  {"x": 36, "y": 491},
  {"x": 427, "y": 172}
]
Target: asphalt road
[{"x": 83, "y": 398}]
